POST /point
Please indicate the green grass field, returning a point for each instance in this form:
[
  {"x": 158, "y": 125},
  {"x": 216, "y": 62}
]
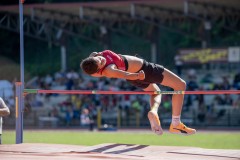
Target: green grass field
[{"x": 214, "y": 140}]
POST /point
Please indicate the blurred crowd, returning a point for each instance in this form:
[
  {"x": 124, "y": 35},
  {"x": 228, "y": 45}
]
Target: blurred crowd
[{"x": 84, "y": 108}]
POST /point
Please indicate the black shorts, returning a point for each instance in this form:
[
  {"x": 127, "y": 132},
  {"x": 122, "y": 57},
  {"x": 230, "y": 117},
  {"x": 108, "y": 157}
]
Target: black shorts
[{"x": 153, "y": 74}]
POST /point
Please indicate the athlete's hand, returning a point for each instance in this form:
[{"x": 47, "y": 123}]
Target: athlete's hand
[{"x": 141, "y": 75}]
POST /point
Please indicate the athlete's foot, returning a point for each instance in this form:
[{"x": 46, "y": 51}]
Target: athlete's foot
[
  {"x": 181, "y": 129},
  {"x": 155, "y": 122}
]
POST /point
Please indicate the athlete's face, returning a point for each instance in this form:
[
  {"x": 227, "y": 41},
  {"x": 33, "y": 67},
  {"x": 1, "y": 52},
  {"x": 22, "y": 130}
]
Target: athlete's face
[{"x": 101, "y": 61}]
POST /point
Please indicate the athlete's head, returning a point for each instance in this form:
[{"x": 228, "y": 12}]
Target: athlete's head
[
  {"x": 89, "y": 65},
  {"x": 92, "y": 65}
]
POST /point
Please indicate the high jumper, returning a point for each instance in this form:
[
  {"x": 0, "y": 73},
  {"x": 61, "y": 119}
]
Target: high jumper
[{"x": 145, "y": 75}]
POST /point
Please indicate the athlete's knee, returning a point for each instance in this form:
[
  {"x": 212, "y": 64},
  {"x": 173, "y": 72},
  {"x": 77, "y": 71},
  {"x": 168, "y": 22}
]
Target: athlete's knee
[{"x": 181, "y": 85}]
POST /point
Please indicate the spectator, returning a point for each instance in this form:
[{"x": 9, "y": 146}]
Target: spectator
[
  {"x": 178, "y": 64},
  {"x": 86, "y": 119},
  {"x": 191, "y": 86},
  {"x": 226, "y": 84},
  {"x": 218, "y": 100},
  {"x": 54, "y": 112},
  {"x": 59, "y": 78},
  {"x": 236, "y": 103},
  {"x": 201, "y": 114},
  {"x": 48, "y": 80},
  {"x": 227, "y": 100},
  {"x": 236, "y": 81}
]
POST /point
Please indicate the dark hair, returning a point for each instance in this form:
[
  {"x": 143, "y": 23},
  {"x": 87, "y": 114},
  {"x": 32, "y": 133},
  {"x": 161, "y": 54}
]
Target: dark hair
[{"x": 89, "y": 65}]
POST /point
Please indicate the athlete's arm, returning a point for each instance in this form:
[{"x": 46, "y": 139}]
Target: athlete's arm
[
  {"x": 4, "y": 110},
  {"x": 96, "y": 75},
  {"x": 111, "y": 71}
]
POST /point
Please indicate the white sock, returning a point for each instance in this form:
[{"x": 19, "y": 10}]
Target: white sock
[{"x": 175, "y": 120}]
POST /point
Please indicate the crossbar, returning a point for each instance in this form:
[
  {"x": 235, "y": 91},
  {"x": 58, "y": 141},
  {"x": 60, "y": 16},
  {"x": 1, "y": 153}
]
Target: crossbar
[{"x": 28, "y": 91}]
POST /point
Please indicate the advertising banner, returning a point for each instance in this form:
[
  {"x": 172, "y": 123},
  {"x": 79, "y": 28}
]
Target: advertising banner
[{"x": 201, "y": 56}]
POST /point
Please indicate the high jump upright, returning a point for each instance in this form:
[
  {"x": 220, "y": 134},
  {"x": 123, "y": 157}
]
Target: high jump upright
[{"x": 19, "y": 99}]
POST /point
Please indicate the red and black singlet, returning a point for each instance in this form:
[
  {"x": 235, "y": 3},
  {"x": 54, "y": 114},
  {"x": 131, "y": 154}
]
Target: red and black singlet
[{"x": 113, "y": 58}]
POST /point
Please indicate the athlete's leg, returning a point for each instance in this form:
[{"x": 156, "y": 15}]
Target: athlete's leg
[
  {"x": 172, "y": 80},
  {"x": 155, "y": 101}
]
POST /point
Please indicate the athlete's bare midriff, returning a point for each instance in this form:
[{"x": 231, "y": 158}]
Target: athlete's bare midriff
[{"x": 134, "y": 63}]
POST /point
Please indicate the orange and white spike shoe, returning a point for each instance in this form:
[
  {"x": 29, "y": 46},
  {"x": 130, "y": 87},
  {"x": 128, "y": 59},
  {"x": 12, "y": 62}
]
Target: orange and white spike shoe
[
  {"x": 155, "y": 123},
  {"x": 181, "y": 129}
]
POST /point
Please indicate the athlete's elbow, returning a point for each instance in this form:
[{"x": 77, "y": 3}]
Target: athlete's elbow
[
  {"x": 8, "y": 112},
  {"x": 4, "y": 113}
]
